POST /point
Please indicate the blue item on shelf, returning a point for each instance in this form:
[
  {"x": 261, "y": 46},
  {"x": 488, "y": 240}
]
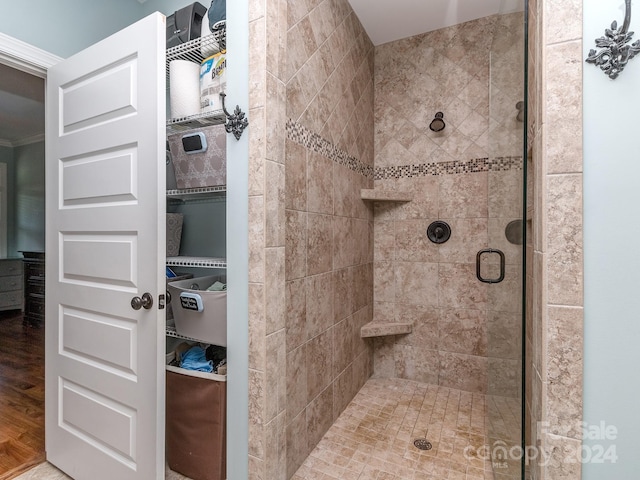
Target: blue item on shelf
[{"x": 196, "y": 359}]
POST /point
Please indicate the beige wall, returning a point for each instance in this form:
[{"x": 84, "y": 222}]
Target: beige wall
[
  {"x": 329, "y": 252},
  {"x": 554, "y": 258},
  {"x": 267, "y": 347},
  {"x": 467, "y": 175},
  {"x": 311, "y": 150}
]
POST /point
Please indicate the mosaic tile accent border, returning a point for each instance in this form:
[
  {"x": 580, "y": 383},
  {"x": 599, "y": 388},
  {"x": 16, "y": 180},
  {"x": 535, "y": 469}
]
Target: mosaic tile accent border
[
  {"x": 303, "y": 136},
  {"x": 498, "y": 164}
]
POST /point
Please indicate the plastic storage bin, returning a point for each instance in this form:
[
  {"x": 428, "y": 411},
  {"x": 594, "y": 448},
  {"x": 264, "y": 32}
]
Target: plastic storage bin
[
  {"x": 196, "y": 408},
  {"x": 198, "y": 313}
]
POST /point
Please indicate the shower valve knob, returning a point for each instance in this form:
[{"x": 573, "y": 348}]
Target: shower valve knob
[{"x": 439, "y": 232}]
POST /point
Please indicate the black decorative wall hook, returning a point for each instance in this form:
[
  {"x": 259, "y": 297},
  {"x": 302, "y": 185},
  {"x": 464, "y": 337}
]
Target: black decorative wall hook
[
  {"x": 236, "y": 122},
  {"x": 615, "y": 53}
]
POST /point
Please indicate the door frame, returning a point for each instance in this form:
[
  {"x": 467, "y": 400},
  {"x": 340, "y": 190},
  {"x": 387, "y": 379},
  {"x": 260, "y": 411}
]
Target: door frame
[{"x": 27, "y": 58}]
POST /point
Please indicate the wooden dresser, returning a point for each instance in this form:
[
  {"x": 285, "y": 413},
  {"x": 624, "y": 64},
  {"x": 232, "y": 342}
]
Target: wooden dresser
[
  {"x": 11, "y": 284},
  {"x": 33, "y": 287}
]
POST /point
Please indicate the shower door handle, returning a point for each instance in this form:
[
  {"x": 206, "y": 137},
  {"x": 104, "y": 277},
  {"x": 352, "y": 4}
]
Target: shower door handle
[{"x": 479, "y": 259}]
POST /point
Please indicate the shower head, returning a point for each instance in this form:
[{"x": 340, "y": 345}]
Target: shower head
[{"x": 437, "y": 124}]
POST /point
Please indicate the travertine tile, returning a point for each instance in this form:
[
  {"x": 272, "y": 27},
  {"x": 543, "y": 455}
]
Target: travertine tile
[
  {"x": 319, "y": 299},
  {"x": 319, "y": 416},
  {"x": 257, "y": 61},
  {"x": 296, "y": 382},
  {"x": 276, "y": 448},
  {"x": 564, "y": 237},
  {"x": 564, "y": 375},
  {"x": 416, "y": 283},
  {"x": 320, "y": 184},
  {"x": 463, "y": 331},
  {"x": 468, "y": 236},
  {"x": 256, "y": 413},
  {"x": 276, "y": 106},
  {"x": 297, "y": 444},
  {"x": 461, "y": 196},
  {"x": 384, "y": 282},
  {"x": 343, "y": 293},
  {"x": 458, "y": 287},
  {"x": 465, "y": 372},
  {"x": 320, "y": 244},
  {"x": 256, "y": 239},
  {"x": 275, "y": 375},
  {"x": 296, "y": 313},
  {"x": 320, "y": 359},
  {"x": 373, "y": 437},
  {"x": 504, "y": 335},
  {"x": 412, "y": 243},
  {"x": 417, "y": 363},
  {"x": 274, "y": 289},
  {"x": 274, "y": 204},
  {"x": 343, "y": 346},
  {"x": 256, "y": 151},
  {"x": 425, "y": 325},
  {"x": 257, "y": 326},
  {"x": 556, "y": 30},
  {"x": 295, "y": 176},
  {"x": 565, "y": 460},
  {"x": 563, "y": 107},
  {"x": 295, "y": 244}
]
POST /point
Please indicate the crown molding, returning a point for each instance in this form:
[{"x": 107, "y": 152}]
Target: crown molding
[
  {"x": 27, "y": 58},
  {"x": 39, "y": 137}
]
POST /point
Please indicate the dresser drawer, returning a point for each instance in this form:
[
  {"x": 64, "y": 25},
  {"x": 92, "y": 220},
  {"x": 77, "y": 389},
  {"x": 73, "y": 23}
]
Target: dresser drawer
[
  {"x": 11, "y": 299},
  {"x": 12, "y": 282},
  {"x": 10, "y": 267}
]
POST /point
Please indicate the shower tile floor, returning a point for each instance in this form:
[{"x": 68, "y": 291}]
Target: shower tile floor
[{"x": 373, "y": 438}]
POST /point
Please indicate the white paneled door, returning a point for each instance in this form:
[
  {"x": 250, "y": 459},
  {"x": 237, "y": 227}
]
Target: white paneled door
[{"x": 105, "y": 247}]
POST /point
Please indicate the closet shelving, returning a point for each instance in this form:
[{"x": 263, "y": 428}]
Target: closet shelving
[
  {"x": 193, "y": 51},
  {"x": 188, "y": 194}
]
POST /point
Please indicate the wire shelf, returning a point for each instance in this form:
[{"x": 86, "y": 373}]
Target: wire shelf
[
  {"x": 172, "y": 332},
  {"x": 198, "y": 49},
  {"x": 201, "y": 120},
  {"x": 197, "y": 262},
  {"x": 197, "y": 191}
]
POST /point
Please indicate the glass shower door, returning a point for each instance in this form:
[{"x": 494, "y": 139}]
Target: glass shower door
[{"x": 503, "y": 262}]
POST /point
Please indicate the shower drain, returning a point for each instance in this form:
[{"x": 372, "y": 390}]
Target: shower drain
[{"x": 422, "y": 444}]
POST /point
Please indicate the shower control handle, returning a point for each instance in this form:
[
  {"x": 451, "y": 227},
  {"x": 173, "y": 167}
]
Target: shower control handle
[{"x": 479, "y": 261}]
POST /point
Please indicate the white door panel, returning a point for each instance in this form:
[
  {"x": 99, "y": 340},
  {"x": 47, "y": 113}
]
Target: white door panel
[{"x": 105, "y": 245}]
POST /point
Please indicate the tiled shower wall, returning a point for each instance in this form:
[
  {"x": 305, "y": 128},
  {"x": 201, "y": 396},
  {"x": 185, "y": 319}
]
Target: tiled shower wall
[
  {"x": 329, "y": 229},
  {"x": 554, "y": 335},
  {"x": 459, "y": 176}
]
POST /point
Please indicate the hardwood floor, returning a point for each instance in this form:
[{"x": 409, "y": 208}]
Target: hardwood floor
[{"x": 21, "y": 395}]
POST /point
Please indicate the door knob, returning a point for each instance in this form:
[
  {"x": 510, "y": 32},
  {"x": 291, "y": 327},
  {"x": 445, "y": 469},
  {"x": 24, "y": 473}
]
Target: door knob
[{"x": 145, "y": 302}]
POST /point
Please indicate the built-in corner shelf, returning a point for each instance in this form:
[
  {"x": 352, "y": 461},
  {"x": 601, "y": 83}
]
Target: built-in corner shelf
[
  {"x": 375, "y": 195},
  {"x": 197, "y": 262},
  {"x": 381, "y": 329}
]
